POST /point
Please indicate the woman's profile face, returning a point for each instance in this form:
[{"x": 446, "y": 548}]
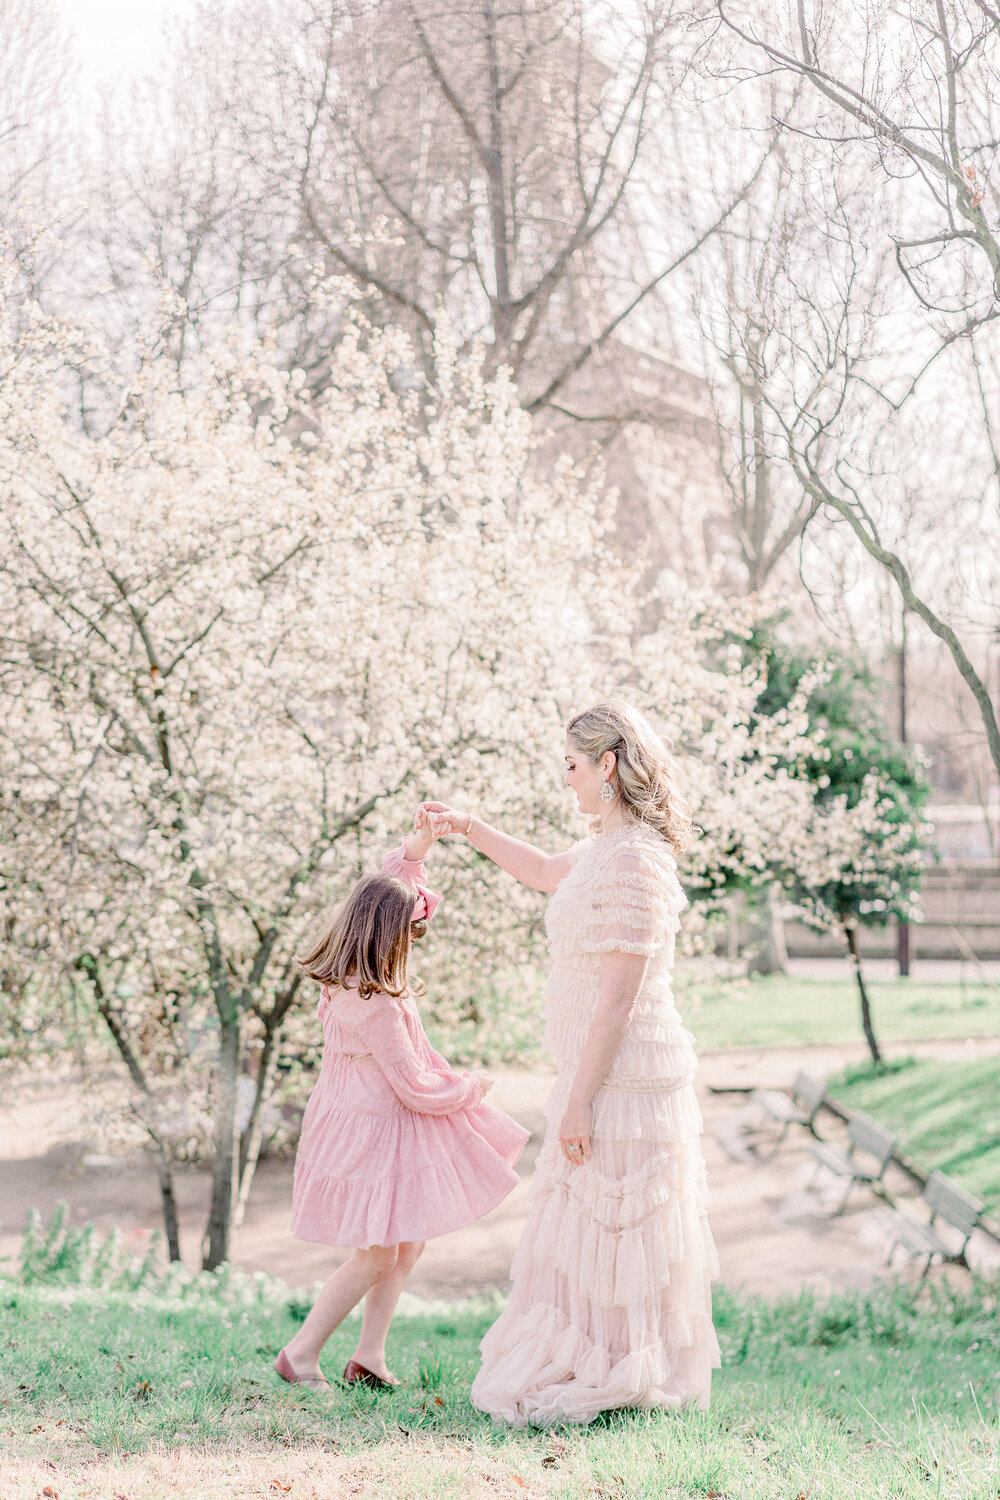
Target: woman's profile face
[{"x": 584, "y": 779}]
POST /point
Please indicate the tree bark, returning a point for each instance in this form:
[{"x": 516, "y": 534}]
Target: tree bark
[
  {"x": 88, "y": 966},
  {"x": 496, "y": 188},
  {"x": 168, "y": 1203},
  {"x": 215, "y": 1248},
  {"x": 250, "y": 1143},
  {"x": 777, "y": 947},
  {"x": 851, "y": 934},
  {"x": 771, "y": 956}
]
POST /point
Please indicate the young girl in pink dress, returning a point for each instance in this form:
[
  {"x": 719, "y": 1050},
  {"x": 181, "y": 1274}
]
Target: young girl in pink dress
[{"x": 396, "y": 1147}]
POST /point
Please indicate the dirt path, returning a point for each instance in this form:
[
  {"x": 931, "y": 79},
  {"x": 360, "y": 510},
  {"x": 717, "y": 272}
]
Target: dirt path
[{"x": 773, "y": 1234}]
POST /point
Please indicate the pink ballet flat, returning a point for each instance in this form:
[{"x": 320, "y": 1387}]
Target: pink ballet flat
[
  {"x": 356, "y": 1374},
  {"x": 283, "y": 1365}
]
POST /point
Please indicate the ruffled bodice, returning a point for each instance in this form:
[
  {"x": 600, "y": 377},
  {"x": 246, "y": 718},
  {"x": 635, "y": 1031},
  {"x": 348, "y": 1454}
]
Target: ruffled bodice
[{"x": 621, "y": 894}]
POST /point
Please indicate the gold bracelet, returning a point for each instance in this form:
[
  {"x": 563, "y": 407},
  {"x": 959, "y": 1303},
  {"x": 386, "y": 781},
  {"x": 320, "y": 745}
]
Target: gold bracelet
[{"x": 468, "y": 828}]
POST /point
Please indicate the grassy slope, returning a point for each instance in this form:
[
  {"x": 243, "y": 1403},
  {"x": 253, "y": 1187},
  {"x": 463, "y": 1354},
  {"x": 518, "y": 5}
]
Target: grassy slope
[
  {"x": 772, "y": 1011},
  {"x": 861, "y": 1395},
  {"x": 778, "y": 1011},
  {"x": 947, "y": 1115}
]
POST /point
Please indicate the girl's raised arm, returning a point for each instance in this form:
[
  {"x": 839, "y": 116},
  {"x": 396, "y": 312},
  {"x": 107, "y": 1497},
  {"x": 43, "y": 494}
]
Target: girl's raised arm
[
  {"x": 406, "y": 865},
  {"x": 531, "y": 866}
]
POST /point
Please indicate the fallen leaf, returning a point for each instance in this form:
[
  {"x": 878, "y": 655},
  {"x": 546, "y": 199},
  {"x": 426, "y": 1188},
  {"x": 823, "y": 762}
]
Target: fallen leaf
[
  {"x": 518, "y": 1480},
  {"x": 549, "y": 1461},
  {"x": 48, "y": 1490},
  {"x": 438, "y": 1401},
  {"x": 277, "y": 1484}
]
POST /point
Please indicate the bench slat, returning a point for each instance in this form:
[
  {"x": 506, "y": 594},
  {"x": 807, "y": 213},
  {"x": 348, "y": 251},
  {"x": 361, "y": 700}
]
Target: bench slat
[
  {"x": 840, "y": 1163},
  {"x": 779, "y": 1106},
  {"x": 948, "y": 1201},
  {"x": 866, "y": 1134}
]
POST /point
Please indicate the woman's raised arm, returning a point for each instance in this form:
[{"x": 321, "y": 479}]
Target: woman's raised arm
[{"x": 531, "y": 866}]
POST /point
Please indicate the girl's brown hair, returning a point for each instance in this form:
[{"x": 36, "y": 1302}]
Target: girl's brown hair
[{"x": 367, "y": 939}]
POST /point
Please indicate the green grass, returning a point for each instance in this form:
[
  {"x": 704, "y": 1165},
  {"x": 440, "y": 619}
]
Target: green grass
[
  {"x": 946, "y": 1114},
  {"x": 892, "y": 1392},
  {"x": 781, "y": 1011}
]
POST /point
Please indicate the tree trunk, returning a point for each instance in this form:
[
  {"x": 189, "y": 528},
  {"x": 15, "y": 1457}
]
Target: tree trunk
[
  {"x": 496, "y": 190},
  {"x": 215, "y": 1248},
  {"x": 771, "y": 956},
  {"x": 777, "y": 947},
  {"x": 254, "y": 1133},
  {"x": 851, "y": 933},
  {"x": 88, "y": 966},
  {"x": 168, "y": 1200}
]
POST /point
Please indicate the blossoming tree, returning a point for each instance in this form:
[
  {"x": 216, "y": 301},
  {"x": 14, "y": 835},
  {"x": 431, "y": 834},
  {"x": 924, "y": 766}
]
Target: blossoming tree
[{"x": 244, "y": 630}]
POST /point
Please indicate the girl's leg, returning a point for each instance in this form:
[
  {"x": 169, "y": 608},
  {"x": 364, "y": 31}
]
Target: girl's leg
[
  {"x": 342, "y": 1292},
  {"x": 380, "y": 1304}
]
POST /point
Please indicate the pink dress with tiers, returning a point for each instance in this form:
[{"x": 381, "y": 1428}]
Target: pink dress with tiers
[
  {"x": 611, "y": 1299},
  {"x": 395, "y": 1144}
]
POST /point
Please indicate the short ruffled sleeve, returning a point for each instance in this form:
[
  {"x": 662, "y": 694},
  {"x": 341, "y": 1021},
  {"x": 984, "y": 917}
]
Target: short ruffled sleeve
[
  {"x": 575, "y": 850},
  {"x": 636, "y": 901}
]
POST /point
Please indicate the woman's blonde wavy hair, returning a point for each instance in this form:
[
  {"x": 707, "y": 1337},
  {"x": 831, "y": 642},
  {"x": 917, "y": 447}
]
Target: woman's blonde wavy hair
[{"x": 645, "y": 776}]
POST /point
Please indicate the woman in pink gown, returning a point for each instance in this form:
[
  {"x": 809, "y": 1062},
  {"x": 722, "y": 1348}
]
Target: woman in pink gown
[
  {"x": 396, "y": 1147},
  {"x": 610, "y": 1304}
]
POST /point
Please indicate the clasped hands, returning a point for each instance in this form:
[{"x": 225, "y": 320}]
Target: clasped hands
[
  {"x": 430, "y": 821},
  {"x": 439, "y": 818}
]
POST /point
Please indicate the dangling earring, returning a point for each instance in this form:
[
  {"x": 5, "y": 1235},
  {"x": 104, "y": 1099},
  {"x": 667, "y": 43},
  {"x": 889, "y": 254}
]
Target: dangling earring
[{"x": 607, "y": 791}]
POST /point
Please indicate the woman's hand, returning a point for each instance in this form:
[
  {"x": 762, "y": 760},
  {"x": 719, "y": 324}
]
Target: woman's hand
[
  {"x": 574, "y": 1133},
  {"x": 483, "y": 1079},
  {"x": 428, "y": 828},
  {"x": 448, "y": 819}
]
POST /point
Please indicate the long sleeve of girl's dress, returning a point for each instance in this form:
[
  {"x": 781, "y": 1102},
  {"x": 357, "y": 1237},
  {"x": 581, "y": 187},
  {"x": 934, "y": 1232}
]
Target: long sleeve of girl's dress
[
  {"x": 381, "y": 1025},
  {"x": 412, "y": 870}
]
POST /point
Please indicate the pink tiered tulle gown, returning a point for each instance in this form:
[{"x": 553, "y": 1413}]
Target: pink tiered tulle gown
[
  {"x": 610, "y": 1304},
  {"x": 395, "y": 1145}
]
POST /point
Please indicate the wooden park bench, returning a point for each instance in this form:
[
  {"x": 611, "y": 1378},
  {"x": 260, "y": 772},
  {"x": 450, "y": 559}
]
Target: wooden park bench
[
  {"x": 799, "y": 1106},
  {"x": 948, "y": 1204},
  {"x": 866, "y": 1138}
]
